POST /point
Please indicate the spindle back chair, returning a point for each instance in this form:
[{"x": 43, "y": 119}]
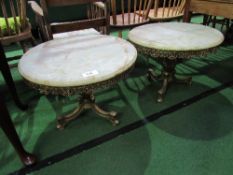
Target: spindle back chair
[
  {"x": 164, "y": 10},
  {"x": 129, "y": 13},
  {"x": 14, "y": 25},
  {"x": 97, "y": 18}
]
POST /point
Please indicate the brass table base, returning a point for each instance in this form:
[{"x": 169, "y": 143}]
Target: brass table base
[
  {"x": 168, "y": 59},
  {"x": 87, "y": 101},
  {"x": 167, "y": 76}
]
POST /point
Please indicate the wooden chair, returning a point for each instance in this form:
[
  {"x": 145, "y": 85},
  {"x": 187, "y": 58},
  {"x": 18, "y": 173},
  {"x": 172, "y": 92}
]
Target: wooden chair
[
  {"x": 130, "y": 13},
  {"x": 4, "y": 68},
  {"x": 165, "y": 10},
  {"x": 97, "y": 17},
  {"x": 15, "y": 26},
  {"x": 209, "y": 7}
]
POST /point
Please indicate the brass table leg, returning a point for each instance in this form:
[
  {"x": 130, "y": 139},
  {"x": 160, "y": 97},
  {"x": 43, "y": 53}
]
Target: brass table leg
[
  {"x": 87, "y": 101},
  {"x": 167, "y": 76}
]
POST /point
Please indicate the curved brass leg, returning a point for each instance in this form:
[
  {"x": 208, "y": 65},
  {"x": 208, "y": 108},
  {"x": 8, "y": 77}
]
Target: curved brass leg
[
  {"x": 62, "y": 121},
  {"x": 111, "y": 116},
  {"x": 87, "y": 101},
  {"x": 151, "y": 76},
  {"x": 162, "y": 90},
  {"x": 167, "y": 76}
]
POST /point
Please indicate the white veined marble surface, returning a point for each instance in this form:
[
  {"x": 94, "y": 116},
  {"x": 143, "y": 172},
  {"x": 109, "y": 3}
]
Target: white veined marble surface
[
  {"x": 90, "y": 31},
  {"x": 77, "y": 60},
  {"x": 175, "y": 36}
]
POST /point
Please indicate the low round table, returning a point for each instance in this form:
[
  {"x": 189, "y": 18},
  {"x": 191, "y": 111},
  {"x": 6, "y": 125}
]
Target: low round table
[
  {"x": 171, "y": 43},
  {"x": 78, "y": 64}
]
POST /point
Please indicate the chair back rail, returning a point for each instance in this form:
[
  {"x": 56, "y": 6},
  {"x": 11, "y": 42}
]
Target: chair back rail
[
  {"x": 167, "y": 9},
  {"x": 136, "y": 11},
  {"x": 79, "y": 25}
]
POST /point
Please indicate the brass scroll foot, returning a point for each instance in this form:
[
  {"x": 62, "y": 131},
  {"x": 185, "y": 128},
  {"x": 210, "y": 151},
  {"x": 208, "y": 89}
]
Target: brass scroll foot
[
  {"x": 87, "y": 101},
  {"x": 162, "y": 90}
]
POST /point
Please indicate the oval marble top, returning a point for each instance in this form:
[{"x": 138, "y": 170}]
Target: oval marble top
[
  {"x": 77, "y": 60},
  {"x": 175, "y": 36}
]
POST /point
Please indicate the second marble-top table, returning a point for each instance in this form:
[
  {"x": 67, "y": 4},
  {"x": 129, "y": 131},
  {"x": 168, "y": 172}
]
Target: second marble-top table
[
  {"x": 172, "y": 42},
  {"x": 78, "y": 64}
]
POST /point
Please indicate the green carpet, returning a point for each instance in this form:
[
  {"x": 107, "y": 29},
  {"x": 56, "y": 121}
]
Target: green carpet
[{"x": 196, "y": 139}]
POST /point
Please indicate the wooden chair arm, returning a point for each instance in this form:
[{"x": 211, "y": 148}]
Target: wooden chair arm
[
  {"x": 40, "y": 20},
  {"x": 101, "y": 5},
  {"x": 36, "y": 8}
]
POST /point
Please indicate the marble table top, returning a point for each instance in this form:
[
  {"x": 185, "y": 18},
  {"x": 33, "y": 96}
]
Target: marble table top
[
  {"x": 77, "y": 61},
  {"x": 89, "y": 31},
  {"x": 176, "y": 36}
]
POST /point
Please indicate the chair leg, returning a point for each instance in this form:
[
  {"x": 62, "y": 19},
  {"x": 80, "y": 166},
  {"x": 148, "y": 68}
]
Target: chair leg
[
  {"x": 120, "y": 34},
  {"x": 227, "y": 21},
  {"x": 214, "y": 20},
  {"x": 205, "y": 19},
  {"x": 9, "y": 130},
  {"x": 209, "y": 20},
  {"x": 23, "y": 45},
  {"x": 33, "y": 41},
  {"x": 4, "y": 67}
]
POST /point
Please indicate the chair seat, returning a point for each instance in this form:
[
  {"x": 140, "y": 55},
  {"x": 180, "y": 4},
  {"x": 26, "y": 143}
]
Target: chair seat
[
  {"x": 90, "y": 31},
  {"x": 162, "y": 14},
  {"x": 134, "y": 20}
]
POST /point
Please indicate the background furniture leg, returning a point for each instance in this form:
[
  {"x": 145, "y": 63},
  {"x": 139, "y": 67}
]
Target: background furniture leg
[
  {"x": 9, "y": 130},
  {"x": 4, "y": 67}
]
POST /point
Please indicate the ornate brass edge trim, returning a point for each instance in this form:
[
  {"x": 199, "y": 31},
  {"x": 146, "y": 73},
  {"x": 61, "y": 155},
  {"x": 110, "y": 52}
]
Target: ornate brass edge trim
[
  {"x": 68, "y": 91},
  {"x": 155, "y": 53}
]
